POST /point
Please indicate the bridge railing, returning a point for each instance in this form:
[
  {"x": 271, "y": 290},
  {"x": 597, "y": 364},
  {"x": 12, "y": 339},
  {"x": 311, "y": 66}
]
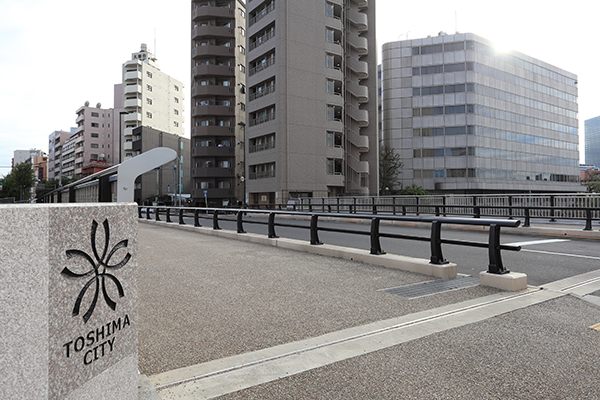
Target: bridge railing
[
  {"x": 553, "y": 207},
  {"x": 239, "y": 216}
]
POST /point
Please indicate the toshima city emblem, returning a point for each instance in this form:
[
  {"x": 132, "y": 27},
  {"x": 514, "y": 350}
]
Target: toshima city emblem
[{"x": 98, "y": 271}]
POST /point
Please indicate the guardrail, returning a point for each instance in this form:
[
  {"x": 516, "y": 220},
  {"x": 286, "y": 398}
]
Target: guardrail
[
  {"x": 494, "y": 247},
  {"x": 481, "y": 207}
]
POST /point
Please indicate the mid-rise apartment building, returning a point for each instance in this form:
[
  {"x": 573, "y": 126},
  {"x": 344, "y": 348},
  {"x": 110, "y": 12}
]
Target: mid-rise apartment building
[
  {"x": 592, "y": 141},
  {"x": 95, "y": 139},
  {"x": 150, "y": 98},
  {"x": 218, "y": 101},
  {"x": 312, "y": 99},
  {"x": 56, "y": 141},
  {"x": 466, "y": 118}
]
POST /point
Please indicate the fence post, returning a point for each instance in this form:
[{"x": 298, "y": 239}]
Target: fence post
[
  {"x": 477, "y": 212},
  {"x": 147, "y": 212},
  {"x": 588, "y": 219},
  {"x": 495, "y": 266},
  {"x": 437, "y": 211},
  {"x": 444, "y": 206},
  {"x": 216, "y": 220},
  {"x": 157, "y": 214},
  {"x": 394, "y": 205},
  {"x": 375, "y": 244},
  {"x": 197, "y": 217},
  {"x": 526, "y": 224},
  {"x": 272, "y": 234},
  {"x": 314, "y": 230},
  {"x": 417, "y": 205},
  {"x": 72, "y": 194},
  {"x": 168, "y": 214},
  {"x": 552, "y": 209},
  {"x": 354, "y": 204},
  {"x": 104, "y": 189},
  {"x": 374, "y": 206},
  {"x": 338, "y": 205},
  {"x": 510, "y": 210},
  {"x": 437, "y": 258},
  {"x": 403, "y": 210},
  {"x": 240, "y": 222},
  {"x": 181, "y": 221},
  {"x": 323, "y": 203}
]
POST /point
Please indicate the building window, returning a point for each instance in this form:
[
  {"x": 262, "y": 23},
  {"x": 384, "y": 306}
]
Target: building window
[
  {"x": 149, "y": 88},
  {"x": 94, "y": 135},
  {"x": 242, "y": 68},
  {"x": 148, "y": 114},
  {"x": 94, "y": 145},
  {"x": 176, "y": 88},
  {"x": 149, "y": 101},
  {"x": 242, "y": 31},
  {"x": 242, "y": 49},
  {"x": 176, "y": 124},
  {"x": 149, "y": 74},
  {"x": 205, "y": 123},
  {"x": 176, "y": 100},
  {"x": 176, "y": 111},
  {"x": 95, "y": 114},
  {"x": 242, "y": 107},
  {"x": 95, "y": 125}
]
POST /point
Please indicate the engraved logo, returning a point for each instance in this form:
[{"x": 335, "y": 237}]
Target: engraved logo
[{"x": 98, "y": 271}]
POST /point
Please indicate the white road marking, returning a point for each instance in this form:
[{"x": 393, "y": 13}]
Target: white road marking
[
  {"x": 538, "y": 242},
  {"x": 561, "y": 254}
]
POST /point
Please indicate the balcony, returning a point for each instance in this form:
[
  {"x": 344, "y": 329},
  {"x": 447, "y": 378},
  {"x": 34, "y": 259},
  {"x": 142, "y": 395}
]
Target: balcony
[
  {"x": 261, "y": 66},
  {"x": 128, "y": 146},
  {"x": 212, "y": 130},
  {"x": 359, "y": 43},
  {"x": 132, "y": 76},
  {"x": 128, "y": 131},
  {"x": 261, "y": 93},
  {"x": 262, "y": 174},
  {"x": 132, "y": 89},
  {"x": 261, "y": 14},
  {"x": 212, "y": 151},
  {"x": 361, "y": 167},
  {"x": 210, "y": 12},
  {"x": 213, "y": 172},
  {"x": 80, "y": 118},
  {"x": 262, "y": 119},
  {"x": 358, "y": 19},
  {"x": 261, "y": 40},
  {"x": 211, "y": 30},
  {"x": 133, "y": 117},
  {"x": 359, "y": 91},
  {"x": 212, "y": 50},
  {"x": 262, "y": 147},
  {"x": 335, "y": 180},
  {"x": 334, "y": 152},
  {"x": 360, "y": 116},
  {"x": 132, "y": 103},
  {"x": 212, "y": 90},
  {"x": 361, "y": 68},
  {"x": 213, "y": 110},
  {"x": 215, "y": 70},
  {"x": 362, "y": 3}
]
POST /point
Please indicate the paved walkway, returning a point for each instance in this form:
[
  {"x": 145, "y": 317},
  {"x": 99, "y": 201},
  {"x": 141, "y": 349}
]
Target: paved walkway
[{"x": 233, "y": 319}]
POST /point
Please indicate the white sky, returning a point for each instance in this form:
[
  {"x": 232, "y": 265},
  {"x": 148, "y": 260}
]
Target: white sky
[{"x": 57, "y": 54}]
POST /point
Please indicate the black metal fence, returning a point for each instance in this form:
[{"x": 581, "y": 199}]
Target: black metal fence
[
  {"x": 580, "y": 207},
  {"x": 215, "y": 215}
]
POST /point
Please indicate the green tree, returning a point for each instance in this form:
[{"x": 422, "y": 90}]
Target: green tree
[
  {"x": 18, "y": 182},
  {"x": 390, "y": 168},
  {"x": 414, "y": 190},
  {"x": 591, "y": 182}
]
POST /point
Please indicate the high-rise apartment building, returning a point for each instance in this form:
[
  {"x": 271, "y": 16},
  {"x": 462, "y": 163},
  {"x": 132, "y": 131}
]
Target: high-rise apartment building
[
  {"x": 592, "y": 141},
  {"x": 218, "y": 105},
  {"x": 312, "y": 99},
  {"x": 55, "y": 144},
  {"x": 150, "y": 98},
  {"x": 468, "y": 119}
]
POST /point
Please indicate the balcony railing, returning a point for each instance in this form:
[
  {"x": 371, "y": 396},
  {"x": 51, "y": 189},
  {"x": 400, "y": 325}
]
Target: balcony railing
[
  {"x": 260, "y": 40},
  {"x": 261, "y": 66},
  {"x": 262, "y": 147},
  {"x": 261, "y": 14},
  {"x": 262, "y": 119},
  {"x": 256, "y": 95}
]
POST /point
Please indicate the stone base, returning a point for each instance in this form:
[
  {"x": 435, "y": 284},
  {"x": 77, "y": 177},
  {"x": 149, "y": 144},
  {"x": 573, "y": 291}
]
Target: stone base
[{"x": 511, "y": 282}]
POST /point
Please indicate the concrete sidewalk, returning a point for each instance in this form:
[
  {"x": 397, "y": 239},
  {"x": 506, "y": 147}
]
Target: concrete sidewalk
[{"x": 221, "y": 317}]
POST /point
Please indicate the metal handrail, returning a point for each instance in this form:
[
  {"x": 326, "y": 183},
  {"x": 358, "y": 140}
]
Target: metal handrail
[{"x": 494, "y": 247}]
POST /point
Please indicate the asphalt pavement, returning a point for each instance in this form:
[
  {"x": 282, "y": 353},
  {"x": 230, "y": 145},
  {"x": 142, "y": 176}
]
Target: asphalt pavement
[{"x": 231, "y": 319}]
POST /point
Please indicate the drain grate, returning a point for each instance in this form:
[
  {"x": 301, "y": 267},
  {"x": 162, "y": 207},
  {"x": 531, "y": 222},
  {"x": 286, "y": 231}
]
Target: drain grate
[{"x": 432, "y": 287}]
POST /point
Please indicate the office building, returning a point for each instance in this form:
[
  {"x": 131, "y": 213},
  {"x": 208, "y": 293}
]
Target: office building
[
  {"x": 592, "y": 141},
  {"x": 218, "y": 101},
  {"x": 466, "y": 118},
  {"x": 150, "y": 98},
  {"x": 312, "y": 99}
]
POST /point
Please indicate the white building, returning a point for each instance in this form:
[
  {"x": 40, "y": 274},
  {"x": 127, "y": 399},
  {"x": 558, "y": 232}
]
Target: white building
[
  {"x": 468, "y": 119},
  {"x": 150, "y": 98}
]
